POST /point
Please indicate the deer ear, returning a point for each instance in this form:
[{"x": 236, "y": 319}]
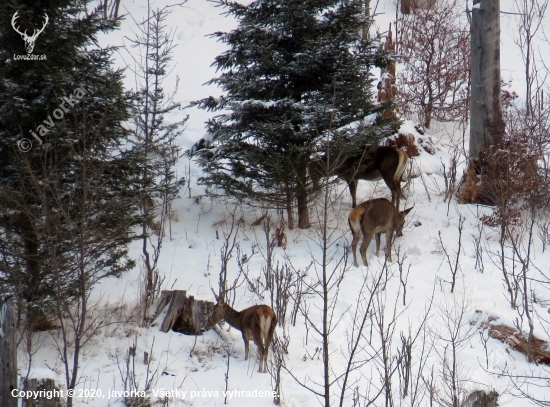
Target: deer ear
[
  {"x": 217, "y": 297},
  {"x": 406, "y": 211}
]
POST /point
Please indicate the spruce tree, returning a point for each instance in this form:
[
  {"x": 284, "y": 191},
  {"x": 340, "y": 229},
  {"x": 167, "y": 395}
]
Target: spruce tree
[
  {"x": 296, "y": 72},
  {"x": 151, "y": 50},
  {"x": 68, "y": 202}
]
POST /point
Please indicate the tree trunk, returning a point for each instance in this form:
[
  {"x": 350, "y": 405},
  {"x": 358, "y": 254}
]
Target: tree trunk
[
  {"x": 303, "y": 214},
  {"x": 289, "y": 210},
  {"x": 366, "y": 26},
  {"x": 486, "y": 124},
  {"x": 8, "y": 354},
  {"x": 36, "y": 319},
  {"x": 301, "y": 198},
  {"x": 406, "y": 6}
]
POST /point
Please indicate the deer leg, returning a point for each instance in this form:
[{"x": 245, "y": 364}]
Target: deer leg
[
  {"x": 364, "y": 246},
  {"x": 397, "y": 192},
  {"x": 389, "y": 238},
  {"x": 265, "y": 358},
  {"x": 268, "y": 339},
  {"x": 263, "y": 362},
  {"x": 377, "y": 237},
  {"x": 246, "y": 346},
  {"x": 262, "y": 353},
  {"x": 400, "y": 232},
  {"x": 352, "y": 185},
  {"x": 356, "y": 237},
  {"x": 393, "y": 186},
  {"x": 266, "y": 350},
  {"x": 257, "y": 336}
]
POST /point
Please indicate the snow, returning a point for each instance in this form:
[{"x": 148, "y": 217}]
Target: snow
[{"x": 190, "y": 261}]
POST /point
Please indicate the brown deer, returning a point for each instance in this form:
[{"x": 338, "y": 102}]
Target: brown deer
[
  {"x": 373, "y": 164},
  {"x": 257, "y": 323},
  {"x": 374, "y": 217}
]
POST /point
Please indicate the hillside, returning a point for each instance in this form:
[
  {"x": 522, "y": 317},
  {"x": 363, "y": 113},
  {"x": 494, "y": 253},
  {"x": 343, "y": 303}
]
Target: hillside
[{"x": 407, "y": 300}]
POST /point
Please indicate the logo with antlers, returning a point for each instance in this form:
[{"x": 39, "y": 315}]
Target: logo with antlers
[{"x": 29, "y": 40}]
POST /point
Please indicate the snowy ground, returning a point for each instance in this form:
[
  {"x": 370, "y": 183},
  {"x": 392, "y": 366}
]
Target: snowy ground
[{"x": 190, "y": 261}]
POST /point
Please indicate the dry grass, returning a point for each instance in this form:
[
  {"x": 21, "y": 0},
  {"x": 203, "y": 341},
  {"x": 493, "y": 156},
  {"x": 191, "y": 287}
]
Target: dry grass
[
  {"x": 470, "y": 190},
  {"x": 405, "y": 142}
]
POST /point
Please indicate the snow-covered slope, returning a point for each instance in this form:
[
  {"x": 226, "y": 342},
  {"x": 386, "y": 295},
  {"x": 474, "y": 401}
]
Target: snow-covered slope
[{"x": 190, "y": 260}]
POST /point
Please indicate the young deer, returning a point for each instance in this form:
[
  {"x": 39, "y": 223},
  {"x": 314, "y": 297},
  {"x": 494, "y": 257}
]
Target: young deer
[
  {"x": 374, "y": 217},
  {"x": 373, "y": 164},
  {"x": 257, "y": 323}
]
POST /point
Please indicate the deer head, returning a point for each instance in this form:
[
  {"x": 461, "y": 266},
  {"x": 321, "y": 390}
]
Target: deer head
[
  {"x": 400, "y": 220},
  {"x": 29, "y": 40},
  {"x": 218, "y": 313}
]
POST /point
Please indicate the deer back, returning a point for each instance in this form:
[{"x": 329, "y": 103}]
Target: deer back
[
  {"x": 375, "y": 215},
  {"x": 258, "y": 318},
  {"x": 382, "y": 162},
  {"x": 372, "y": 164}
]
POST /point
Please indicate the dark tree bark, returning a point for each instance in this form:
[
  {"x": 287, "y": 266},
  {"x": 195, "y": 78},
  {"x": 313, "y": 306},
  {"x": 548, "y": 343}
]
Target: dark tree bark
[
  {"x": 480, "y": 398},
  {"x": 185, "y": 314},
  {"x": 8, "y": 354},
  {"x": 303, "y": 214},
  {"x": 42, "y": 401},
  {"x": 289, "y": 207}
]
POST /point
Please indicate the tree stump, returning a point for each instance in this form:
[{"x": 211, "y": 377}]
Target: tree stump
[
  {"x": 480, "y": 398},
  {"x": 185, "y": 314},
  {"x": 47, "y": 385},
  {"x": 408, "y": 5},
  {"x": 8, "y": 353},
  {"x": 165, "y": 298}
]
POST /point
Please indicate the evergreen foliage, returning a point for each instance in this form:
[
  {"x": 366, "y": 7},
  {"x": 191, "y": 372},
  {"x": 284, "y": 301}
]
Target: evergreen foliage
[
  {"x": 151, "y": 50},
  {"x": 296, "y": 72},
  {"x": 68, "y": 205}
]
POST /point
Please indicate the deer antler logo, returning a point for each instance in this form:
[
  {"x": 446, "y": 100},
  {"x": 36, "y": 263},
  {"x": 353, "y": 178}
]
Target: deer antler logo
[{"x": 29, "y": 40}]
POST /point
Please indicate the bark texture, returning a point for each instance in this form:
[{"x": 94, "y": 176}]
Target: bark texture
[
  {"x": 8, "y": 354},
  {"x": 486, "y": 125}
]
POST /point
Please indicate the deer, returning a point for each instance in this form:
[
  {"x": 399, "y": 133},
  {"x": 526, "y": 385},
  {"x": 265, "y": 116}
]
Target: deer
[
  {"x": 29, "y": 40},
  {"x": 372, "y": 218},
  {"x": 373, "y": 164},
  {"x": 257, "y": 323}
]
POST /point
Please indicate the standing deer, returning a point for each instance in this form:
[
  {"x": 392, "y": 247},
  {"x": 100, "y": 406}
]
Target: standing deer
[
  {"x": 257, "y": 323},
  {"x": 387, "y": 163},
  {"x": 374, "y": 217}
]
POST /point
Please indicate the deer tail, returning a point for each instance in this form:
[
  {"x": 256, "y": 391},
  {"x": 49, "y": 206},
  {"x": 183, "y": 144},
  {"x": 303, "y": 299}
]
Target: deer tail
[
  {"x": 355, "y": 219},
  {"x": 267, "y": 320},
  {"x": 402, "y": 164}
]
